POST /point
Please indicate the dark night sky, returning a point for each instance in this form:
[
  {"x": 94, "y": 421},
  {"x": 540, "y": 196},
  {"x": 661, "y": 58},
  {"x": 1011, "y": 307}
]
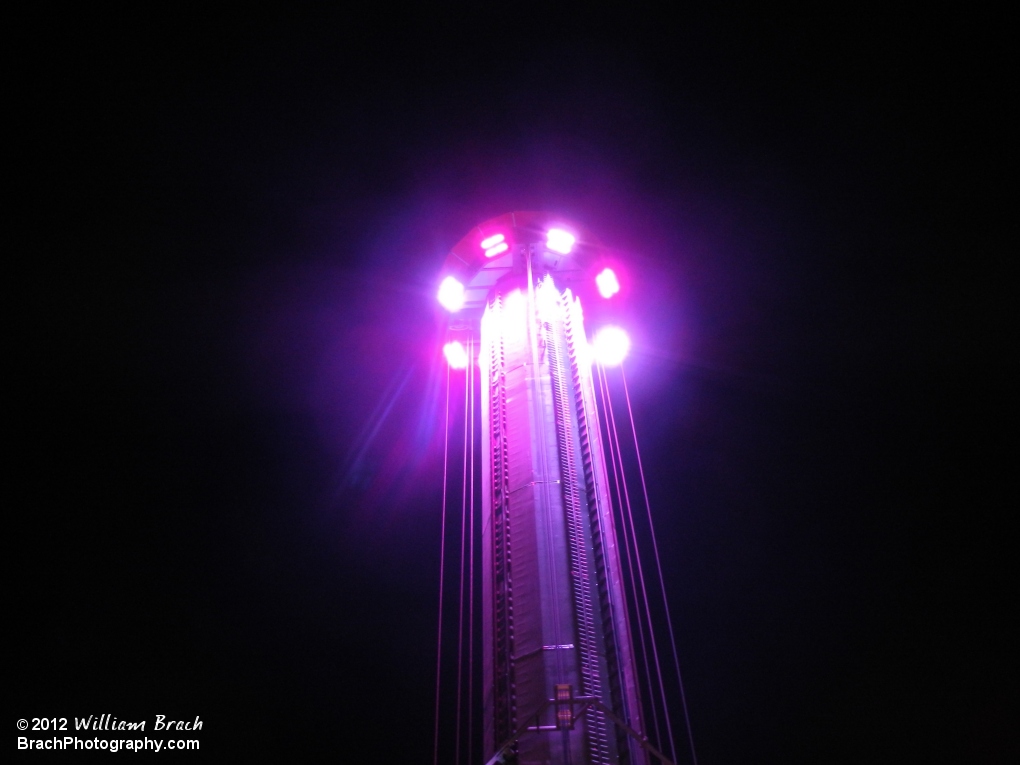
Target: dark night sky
[{"x": 225, "y": 450}]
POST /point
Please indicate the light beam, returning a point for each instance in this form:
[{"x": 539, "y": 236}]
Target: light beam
[
  {"x": 611, "y": 346},
  {"x": 451, "y": 294},
  {"x": 607, "y": 283},
  {"x": 455, "y": 354},
  {"x": 559, "y": 241}
]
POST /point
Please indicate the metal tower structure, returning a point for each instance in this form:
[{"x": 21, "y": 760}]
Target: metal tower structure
[{"x": 558, "y": 679}]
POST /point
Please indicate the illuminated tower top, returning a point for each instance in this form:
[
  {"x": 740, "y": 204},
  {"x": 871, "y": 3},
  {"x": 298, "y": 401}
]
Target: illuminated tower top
[
  {"x": 559, "y": 680},
  {"x": 498, "y": 247}
]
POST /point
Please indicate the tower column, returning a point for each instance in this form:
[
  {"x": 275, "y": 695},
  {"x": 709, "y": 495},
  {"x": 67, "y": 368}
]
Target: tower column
[{"x": 553, "y": 606}]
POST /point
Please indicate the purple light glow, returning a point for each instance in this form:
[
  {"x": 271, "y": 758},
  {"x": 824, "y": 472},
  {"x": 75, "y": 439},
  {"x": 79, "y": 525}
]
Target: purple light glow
[
  {"x": 607, "y": 283},
  {"x": 611, "y": 346},
  {"x": 451, "y": 294},
  {"x": 492, "y": 241},
  {"x": 496, "y": 249},
  {"x": 559, "y": 241},
  {"x": 455, "y": 354}
]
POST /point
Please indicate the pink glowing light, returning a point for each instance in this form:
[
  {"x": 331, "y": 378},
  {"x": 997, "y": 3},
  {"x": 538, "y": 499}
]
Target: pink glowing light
[
  {"x": 559, "y": 240},
  {"x": 451, "y": 294},
  {"x": 611, "y": 346},
  {"x": 607, "y": 283},
  {"x": 455, "y": 354},
  {"x": 492, "y": 241},
  {"x": 496, "y": 249}
]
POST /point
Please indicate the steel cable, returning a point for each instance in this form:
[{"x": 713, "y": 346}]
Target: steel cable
[
  {"x": 644, "y": 590},
  {"x": 662, "y": 581},
  {"x": 471, "y": 558},
  {"x": 442, "y": 567},
  {"x": 615, "y": 459},
  {"x": 460, "y": 587}
]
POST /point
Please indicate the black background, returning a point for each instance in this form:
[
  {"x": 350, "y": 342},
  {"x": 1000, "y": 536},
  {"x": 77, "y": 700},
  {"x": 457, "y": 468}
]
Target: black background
[{"x": 226, "y": 441}]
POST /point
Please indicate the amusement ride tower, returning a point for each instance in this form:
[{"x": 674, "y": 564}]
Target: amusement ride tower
[{"x": 559, "y": 682}]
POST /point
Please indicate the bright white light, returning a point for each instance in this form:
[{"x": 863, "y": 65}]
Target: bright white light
[
  {"x": 492, "y": 241},
  {"x": 607, "y": 283},
  {"x": 514, "y": 318},
  {"x": 548, "y": 299},
  {"x": 496, "y": 249},
  {"x": 451, "y": 294},
  {"x": 559, "y": 240},
  {"x": 611, "y": 346},
  {"x": 455, "y": 354}
]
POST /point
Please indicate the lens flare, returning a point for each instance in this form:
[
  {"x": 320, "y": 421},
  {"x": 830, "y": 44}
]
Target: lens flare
[
  {"x": 455, "y": 354},
  {"x": 611, "y": 346},
  {"x": 607, "y": 283},
  {"x": 451, "y": 294}
]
